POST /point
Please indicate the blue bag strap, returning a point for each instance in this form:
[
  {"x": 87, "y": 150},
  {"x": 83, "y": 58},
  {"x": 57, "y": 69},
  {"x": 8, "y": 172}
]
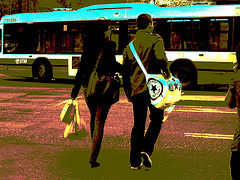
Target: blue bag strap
[{"x": 138, "y": 59}]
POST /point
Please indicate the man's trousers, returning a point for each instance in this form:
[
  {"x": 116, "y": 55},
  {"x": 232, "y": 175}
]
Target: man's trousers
[{"x": 141, "y": 141}]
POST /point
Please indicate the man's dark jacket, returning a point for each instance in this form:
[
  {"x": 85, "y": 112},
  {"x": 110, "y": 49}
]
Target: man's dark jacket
[{"x": 151, "y": 51}]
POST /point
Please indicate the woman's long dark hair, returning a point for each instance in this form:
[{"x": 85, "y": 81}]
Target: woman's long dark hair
[
  {"x": 95, "y": 38},
  {"x": 94, "y": 42}
]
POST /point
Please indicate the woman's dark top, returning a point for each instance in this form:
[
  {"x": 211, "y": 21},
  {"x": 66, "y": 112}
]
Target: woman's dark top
[{"x": 107, "y": 65}]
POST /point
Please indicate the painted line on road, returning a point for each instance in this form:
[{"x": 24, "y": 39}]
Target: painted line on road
[
  {"x": 209, "y": 136},
  {"x": 202, "y": 98},
  {"x": 205, "y": 110}
]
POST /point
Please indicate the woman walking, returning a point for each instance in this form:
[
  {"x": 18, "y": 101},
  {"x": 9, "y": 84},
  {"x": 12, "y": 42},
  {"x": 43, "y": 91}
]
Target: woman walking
[{"x": 97, "y": 48}]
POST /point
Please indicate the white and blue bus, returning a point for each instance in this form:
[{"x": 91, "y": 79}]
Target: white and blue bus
[{"x": 200, "y": 40}]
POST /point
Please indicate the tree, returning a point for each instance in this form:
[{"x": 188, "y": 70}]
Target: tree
[
  {"x": 29, "y": 5},
  {"x": 64, "y": 3},
  {"x": 18, "y": 6},
  {"x": 10, "y": 7}
]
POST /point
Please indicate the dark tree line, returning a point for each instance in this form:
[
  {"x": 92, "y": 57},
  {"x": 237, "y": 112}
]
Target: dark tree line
[
  {"x": 23, "y": 6},
  {"x": 17, "y": 6}
]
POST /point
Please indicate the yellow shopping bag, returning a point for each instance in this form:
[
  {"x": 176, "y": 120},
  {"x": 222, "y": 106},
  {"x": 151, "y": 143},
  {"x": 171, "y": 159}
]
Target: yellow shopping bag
[
  {"x": 67, "y": 113},
  {"x": 77, "y": 128}
]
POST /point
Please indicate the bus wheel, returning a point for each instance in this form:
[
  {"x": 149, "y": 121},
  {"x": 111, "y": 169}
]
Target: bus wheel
[
  {"x": 187, "y": 75},
  {"x": 44, "y": 73}
]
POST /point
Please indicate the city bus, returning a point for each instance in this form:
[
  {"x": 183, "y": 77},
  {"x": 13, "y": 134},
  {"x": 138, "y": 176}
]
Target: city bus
[{"x": 200, "y": 40}]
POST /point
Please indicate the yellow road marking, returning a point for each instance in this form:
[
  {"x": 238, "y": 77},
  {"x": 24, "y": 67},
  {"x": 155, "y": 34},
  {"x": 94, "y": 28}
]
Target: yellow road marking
[
  {"x": 209, "y": 136},
  {"x": 202, "y": 98},
  {"x": 205, "y": 110}
]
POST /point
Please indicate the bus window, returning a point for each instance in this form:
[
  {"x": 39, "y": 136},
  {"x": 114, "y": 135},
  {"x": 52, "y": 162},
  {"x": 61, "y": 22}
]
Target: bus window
[
  {"x": 45, "y": 38},
  {"x": 72, "y": 43},
  {"x": 72, "y": 38},
  {"x": 195, "y": 34},
  {"x": 78, "y": 43},
  {"x": 123, "y": 36},
  {"x": 59, "y": 38},
  {"x": 114, "y": 28},
  {"x": 67, "y": 44},
  {"x": 162, "y": 28},
  {"x": 50, "y": 43},
  {"x": 179, "y": 34},
  {"x": 219, "y": 34},
  {"x": 10, "y": 43},
  {"x": 40, "y": 42},
  {"x": 132, "y": 29},
  {"x": 119, "y": 34},
  {"x": 18, "y": 39},
  {"x": 122, "y": 32}
]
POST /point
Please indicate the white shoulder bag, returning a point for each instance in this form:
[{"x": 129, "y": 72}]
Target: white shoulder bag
[{"x": 163, "y": 92}]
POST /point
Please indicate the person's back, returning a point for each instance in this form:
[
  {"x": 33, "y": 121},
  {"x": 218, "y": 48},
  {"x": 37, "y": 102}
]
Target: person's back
[
  {"x": 151, "y": 51},
  {"x": 94, "y": 43},
  {"x": 107, "y": 63},
  {"x": 150, "y": 48},
  {"x": 97, "y": 50}
]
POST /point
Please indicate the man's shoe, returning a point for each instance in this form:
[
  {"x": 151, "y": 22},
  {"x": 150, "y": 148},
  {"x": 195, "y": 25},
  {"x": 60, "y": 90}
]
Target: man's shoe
[
  {"x": 147, "y": 162},
  {"x": 137, "y": 168}
]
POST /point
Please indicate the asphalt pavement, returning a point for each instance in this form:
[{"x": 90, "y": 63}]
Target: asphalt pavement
[{"x": 194, "y": 142}]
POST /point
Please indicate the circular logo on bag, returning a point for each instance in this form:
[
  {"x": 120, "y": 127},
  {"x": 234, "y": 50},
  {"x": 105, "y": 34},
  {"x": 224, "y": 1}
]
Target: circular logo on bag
[{"x": 155, "y": 88}]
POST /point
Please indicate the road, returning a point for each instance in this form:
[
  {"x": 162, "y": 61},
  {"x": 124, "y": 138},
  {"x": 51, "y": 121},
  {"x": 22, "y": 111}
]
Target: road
[{"x": 194, "y": 142}]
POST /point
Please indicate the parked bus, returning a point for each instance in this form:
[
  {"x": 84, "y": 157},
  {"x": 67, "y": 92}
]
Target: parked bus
[{"x": 200, "y": 40}]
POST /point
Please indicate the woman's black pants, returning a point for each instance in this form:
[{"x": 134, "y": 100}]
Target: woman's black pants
[{"x": 99, "y": 114}]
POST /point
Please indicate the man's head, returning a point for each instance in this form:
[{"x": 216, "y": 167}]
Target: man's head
[{"x": 144, "y": 21}]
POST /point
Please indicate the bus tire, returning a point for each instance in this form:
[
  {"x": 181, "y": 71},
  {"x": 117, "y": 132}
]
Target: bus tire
[
  {"x": 43, "y": 71},
  {"x": 186, "y": 73}
]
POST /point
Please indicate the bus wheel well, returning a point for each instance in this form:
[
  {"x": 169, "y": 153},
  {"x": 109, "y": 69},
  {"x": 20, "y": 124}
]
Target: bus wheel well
[
  {"x": 185, "y": 71},
  {"x": 42, "y": 69}
]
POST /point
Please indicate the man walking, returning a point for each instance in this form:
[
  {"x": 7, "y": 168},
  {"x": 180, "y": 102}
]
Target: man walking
[{"x": 150, "y": 48}]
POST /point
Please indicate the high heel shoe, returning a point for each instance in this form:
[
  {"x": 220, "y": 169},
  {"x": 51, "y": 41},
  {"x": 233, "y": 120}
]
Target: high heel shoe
[{"x": 94, "y": 164}]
